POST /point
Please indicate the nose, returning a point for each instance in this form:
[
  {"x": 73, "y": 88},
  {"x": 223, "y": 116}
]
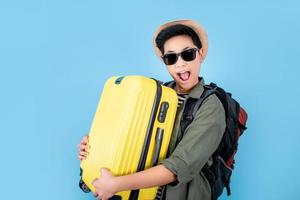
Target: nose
[{"x": 180, "y": 63}]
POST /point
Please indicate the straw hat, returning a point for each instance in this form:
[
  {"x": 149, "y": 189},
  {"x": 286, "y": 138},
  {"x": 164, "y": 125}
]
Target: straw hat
[{"x": 190, "y": 23}]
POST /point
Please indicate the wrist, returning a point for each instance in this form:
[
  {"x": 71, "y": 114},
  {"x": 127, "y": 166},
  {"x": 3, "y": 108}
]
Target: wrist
[{"x": 115, "y": 185}]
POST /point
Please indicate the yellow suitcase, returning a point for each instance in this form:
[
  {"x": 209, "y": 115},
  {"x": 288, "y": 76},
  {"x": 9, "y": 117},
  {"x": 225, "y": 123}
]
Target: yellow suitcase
[{"x": 130, "y": 132}]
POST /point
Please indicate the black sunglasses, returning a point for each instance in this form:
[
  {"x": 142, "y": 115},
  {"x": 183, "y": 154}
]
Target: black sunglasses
[{"x": 186, "y": 55}]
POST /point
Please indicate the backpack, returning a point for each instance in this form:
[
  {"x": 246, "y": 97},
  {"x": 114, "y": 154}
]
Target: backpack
[{"x": 218, "y": 172}]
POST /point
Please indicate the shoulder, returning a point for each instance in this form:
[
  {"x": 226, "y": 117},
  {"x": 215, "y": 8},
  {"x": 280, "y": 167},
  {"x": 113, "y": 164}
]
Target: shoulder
[{"x": 211, "y": 106}]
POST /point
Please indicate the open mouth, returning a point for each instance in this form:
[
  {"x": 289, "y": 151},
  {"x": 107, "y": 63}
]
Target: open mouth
[{"x": 184, "y": 76}]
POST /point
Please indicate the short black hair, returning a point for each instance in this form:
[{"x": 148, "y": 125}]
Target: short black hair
[{"x": 176, "y": 30}]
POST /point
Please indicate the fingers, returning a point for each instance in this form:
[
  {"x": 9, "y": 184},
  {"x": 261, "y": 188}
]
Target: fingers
[
  {"x": 93, "y": 182},
  {"x": 106, "y": 173},
  {"x": 81, "y": 158},
  {"x": 103, "y": 170},
  {"x": 101, "y": 197},
  {"x": 98, "y": 196},
  {"x": 85, "y": 139},
  {"x": 95, "y": 194},
  {"x": 82, "y": 155},
  {"x": 83, "y": 148}
]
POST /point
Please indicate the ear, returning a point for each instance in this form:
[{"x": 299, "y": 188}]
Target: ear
[{"x": 200, "y": 53}]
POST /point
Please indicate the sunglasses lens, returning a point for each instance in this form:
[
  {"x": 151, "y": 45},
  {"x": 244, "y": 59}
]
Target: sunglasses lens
[
  {"x": 188, "y": 55},
  {"x": 170, "y": 59}
]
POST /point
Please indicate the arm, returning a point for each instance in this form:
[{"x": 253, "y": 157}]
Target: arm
[
  {"x": 108, "y": 185},
  {"x": 201, "y": 139},
  {"x": 155, "y": 176}
]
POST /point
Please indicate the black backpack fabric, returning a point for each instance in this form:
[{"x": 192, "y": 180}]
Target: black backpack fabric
[{"x": 219, "y": 172}]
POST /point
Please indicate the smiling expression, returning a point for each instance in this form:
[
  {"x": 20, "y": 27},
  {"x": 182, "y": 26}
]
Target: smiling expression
[{"x": 185, "y": 73}]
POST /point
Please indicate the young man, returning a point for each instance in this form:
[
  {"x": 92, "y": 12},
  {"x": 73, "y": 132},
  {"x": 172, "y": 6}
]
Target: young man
[{"x": 182, "y": 45}]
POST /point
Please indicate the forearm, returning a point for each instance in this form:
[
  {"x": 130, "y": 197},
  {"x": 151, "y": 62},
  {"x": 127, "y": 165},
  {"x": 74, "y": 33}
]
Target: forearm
[{"x": 155, "y": 176}]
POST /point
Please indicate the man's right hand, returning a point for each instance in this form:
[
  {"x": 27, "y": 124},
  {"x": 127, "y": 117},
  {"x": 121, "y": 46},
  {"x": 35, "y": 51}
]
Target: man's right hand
[{"x": 83, "y": 148}]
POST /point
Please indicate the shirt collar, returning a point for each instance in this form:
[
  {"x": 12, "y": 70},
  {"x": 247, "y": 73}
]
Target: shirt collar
[{"x": 197, "y": 89}]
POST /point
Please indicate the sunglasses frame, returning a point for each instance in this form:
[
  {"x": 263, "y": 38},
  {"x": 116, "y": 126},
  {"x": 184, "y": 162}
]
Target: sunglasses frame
[{"x": 194, "y": 50}]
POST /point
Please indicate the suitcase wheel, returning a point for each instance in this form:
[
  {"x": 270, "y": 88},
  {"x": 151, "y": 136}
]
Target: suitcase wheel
[{"x": 83, "y": 186}]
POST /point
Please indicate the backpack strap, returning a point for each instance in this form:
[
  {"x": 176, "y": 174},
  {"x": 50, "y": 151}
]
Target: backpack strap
[
  {"x": 218, "y": 172},
  {"x": 208, "y": 90},
  {"x": 167, "y": 84},
  {"x": 193, "y": 105}
]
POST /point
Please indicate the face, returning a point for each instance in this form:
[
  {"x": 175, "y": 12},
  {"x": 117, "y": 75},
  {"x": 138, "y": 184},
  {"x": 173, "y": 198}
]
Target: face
[{"x": 185, "y": 73}]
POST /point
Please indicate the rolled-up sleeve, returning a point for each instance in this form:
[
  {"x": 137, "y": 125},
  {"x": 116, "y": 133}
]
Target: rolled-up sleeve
[{"x": 200, "y": 140}]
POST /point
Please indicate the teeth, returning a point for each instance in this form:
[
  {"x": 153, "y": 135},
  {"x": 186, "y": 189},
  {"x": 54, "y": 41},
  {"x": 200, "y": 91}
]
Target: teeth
[{"x": 180, "y": 73}]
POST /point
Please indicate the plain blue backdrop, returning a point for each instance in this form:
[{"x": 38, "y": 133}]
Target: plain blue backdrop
[{"x": 56, "y": 55}]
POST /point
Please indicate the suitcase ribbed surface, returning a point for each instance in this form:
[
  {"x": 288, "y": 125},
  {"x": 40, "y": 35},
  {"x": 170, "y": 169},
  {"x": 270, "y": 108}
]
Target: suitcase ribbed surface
[{"x": 119, "y": 127}]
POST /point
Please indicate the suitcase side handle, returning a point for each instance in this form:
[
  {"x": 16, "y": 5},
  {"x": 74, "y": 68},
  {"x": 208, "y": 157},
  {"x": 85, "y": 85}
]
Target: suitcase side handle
[{"x": 158, "y": 142}]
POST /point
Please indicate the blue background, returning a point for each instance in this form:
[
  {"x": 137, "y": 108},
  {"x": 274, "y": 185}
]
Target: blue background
[{"x": 56, "y": 55}]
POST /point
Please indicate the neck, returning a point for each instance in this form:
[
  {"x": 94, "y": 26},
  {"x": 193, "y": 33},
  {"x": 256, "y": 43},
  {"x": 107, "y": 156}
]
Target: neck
[{"x": 180, "y": 90}]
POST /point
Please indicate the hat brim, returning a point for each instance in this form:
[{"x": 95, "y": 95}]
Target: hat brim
[{"x": 200, "y": 31}]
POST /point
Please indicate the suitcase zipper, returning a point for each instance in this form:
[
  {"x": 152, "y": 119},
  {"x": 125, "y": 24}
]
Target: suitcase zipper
[{"x": 135, "y": 193}]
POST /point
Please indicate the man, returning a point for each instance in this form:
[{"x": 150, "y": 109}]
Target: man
[{"x": 182, "y": 45}]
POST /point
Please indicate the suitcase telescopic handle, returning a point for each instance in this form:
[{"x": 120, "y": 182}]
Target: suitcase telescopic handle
[{"x": 158, "y": 142}]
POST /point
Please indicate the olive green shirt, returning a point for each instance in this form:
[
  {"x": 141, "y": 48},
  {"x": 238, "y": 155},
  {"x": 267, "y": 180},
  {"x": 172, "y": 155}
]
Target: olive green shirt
[{"x": 200, "y": 140}]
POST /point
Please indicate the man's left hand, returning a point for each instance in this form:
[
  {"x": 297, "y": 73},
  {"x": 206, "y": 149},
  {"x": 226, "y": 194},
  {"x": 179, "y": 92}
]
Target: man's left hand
[{"x": 104, "y": 186}]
